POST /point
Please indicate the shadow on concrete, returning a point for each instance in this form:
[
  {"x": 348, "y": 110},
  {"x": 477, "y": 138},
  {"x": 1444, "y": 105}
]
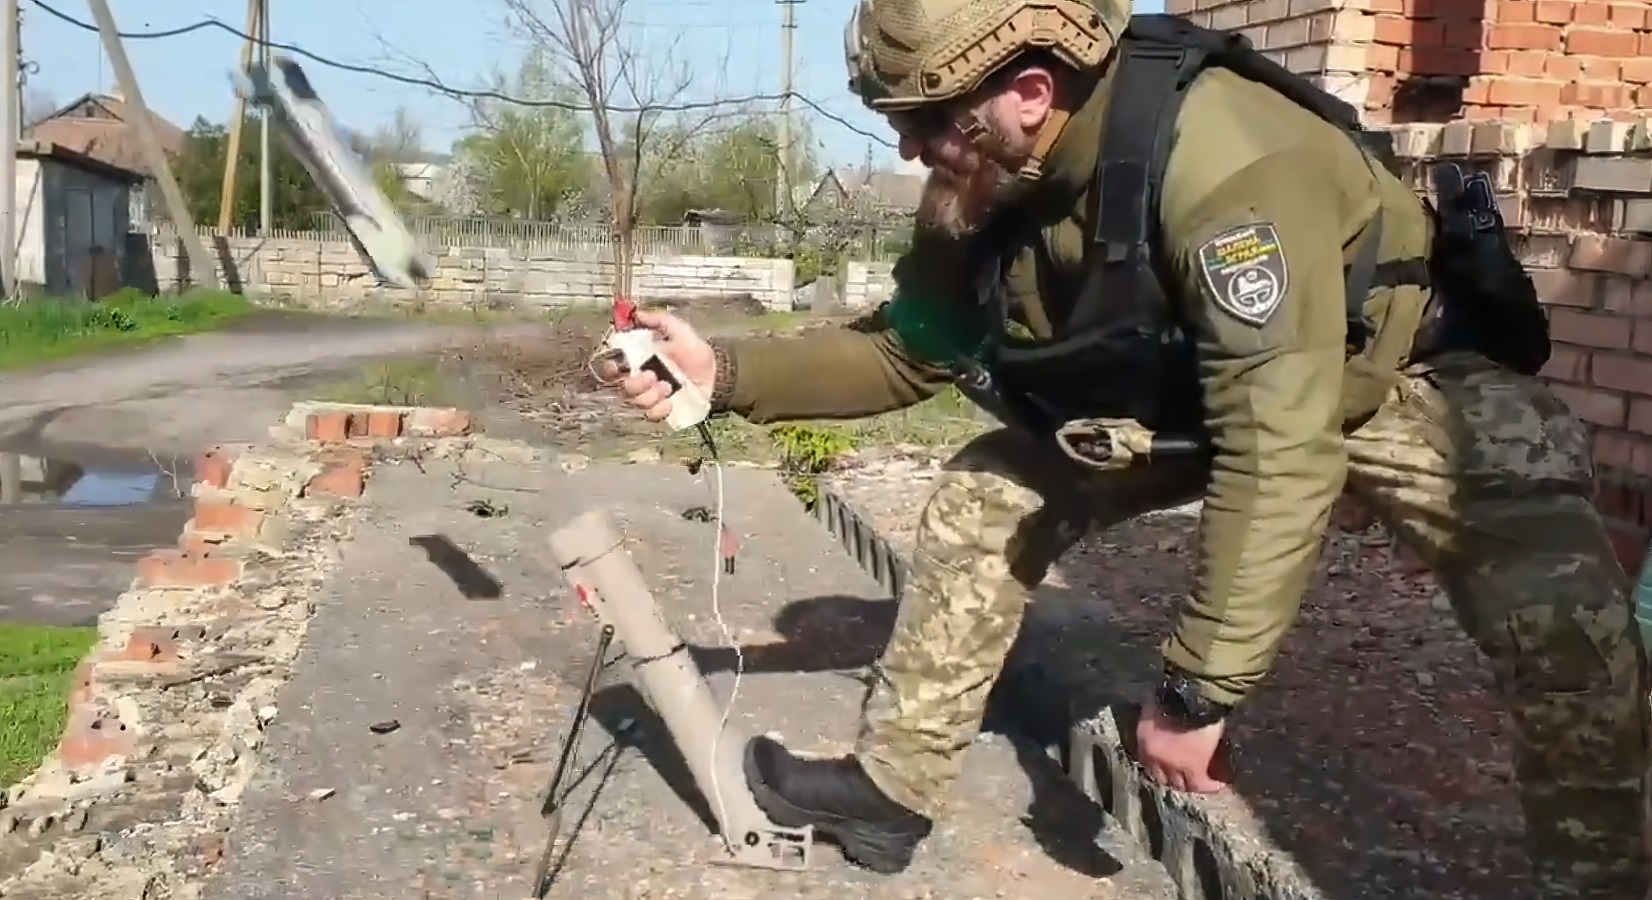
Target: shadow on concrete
[
  {"x": 473, "y": 581},
  {"x": 838, "y": 633},
  {"x": 623, "y": 713}
]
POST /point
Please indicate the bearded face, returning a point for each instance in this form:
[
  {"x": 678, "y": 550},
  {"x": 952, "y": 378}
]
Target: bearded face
[{"x": 970, "y": 179}]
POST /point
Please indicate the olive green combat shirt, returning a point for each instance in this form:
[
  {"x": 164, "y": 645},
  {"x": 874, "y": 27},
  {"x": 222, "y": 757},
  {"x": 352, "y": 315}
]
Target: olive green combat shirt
[{"x": 1279, "y": 389}]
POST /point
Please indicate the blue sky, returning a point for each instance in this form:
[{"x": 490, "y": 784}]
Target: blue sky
[{"x": 735, "y": 43}]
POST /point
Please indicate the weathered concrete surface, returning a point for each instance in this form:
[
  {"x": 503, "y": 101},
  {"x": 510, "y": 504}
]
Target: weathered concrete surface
[{"x": 481, "y": 690}]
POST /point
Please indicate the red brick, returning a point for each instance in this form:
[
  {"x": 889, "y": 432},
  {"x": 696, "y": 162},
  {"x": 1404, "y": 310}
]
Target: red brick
[
  {"x": 156, "y": 645},
  {"x": 213, "y": 466},
  {"x": 1628, "y": 16},
  {"x": 1607, "y": 332},
  {"x": 1553, "y": 12},
  {"x": 1567, "y": 364},
  {"x": 384, "y": 425},
  {"x": 1558, "y": 67},
  {"x": 339, "y": 480},
  {"x": 328, "y": 428},
  {"x": 196, "y": 543},
  {"x": 80, "y": 683},
  {"x": 1613, "y": 450},
  {"x": 1509, "y": 90},
  {"x": 1621, "y": 372},
  {"x": 355, "y": 425},
  {"x": 1595, "y": 407},
  {"x": 1636, "y": 71},
  {"x": 1391, "y": 29},
  {"x": 1598, "y": 94},
  {"x": 1523, "y": 37},
  {"x": 1599, "y": 253},
  {"x": 1464, "y": 35},
  {"x": 440, "y": 422},
  {"x": 1640, "y": 416},
  {"x": 178, "y": 568},
  {"x": 1514, "y": 11},
  {"x": 1564, "y": 287},
  {"x": 1601, "y": 42},
  {"x": 1642, "y": 342},
  {"x": 1620, "y": 498},
  {"x": 226, "y": 517},
  {"x": 91, "y": 740}
]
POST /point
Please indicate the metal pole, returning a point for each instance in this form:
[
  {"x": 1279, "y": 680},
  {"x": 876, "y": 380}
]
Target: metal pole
[
  {"x": 264, "y": 180},
  {"x": 232, "y": 152},
  {"x": 201, "y": 267},
  {"x": 10, "y": 115}
]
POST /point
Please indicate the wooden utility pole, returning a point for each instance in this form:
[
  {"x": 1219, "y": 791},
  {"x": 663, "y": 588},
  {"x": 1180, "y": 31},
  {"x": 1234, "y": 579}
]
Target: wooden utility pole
[
  {"x": 232, "y": 153},
  {"x": 10, "y": 115},
  {"x": 788, "y": 75},
  {"x": 201, "y": 268}
]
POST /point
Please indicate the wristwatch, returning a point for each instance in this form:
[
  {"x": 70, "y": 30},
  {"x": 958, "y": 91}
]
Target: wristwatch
[{"x": 1179, "y": 699}]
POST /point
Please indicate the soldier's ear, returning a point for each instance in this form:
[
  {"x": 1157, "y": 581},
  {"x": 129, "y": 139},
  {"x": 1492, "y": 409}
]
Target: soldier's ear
[{"x": 1033, "y": 92}]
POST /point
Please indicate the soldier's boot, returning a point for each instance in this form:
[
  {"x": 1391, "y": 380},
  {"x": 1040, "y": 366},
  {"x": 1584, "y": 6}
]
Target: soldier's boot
[{"x": 837, "y": 799}]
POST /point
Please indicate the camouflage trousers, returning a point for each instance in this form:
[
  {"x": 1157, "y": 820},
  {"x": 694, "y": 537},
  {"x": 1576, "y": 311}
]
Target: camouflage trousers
[{"x": 1481, "y": 472}]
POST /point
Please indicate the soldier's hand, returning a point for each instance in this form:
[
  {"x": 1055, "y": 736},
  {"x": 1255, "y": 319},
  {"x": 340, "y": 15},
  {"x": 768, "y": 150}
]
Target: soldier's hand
[
  {"x": 1182, "y": 758},
  {"x": 676, "y": 341}
]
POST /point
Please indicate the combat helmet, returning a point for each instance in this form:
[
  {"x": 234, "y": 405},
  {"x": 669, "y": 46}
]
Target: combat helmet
[{"x": 906, "y": 54}]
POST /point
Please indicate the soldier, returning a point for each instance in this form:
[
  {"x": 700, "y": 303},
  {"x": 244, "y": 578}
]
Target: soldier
[{"x": 1199, "y": 245}]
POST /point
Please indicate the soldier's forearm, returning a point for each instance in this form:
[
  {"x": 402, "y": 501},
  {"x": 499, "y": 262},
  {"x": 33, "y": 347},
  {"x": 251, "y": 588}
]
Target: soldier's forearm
[{"x": 829, "y": 374}]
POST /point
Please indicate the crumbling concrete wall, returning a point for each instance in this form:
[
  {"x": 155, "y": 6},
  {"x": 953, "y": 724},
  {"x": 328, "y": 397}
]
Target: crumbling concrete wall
[{"x": 167, "y": 714}]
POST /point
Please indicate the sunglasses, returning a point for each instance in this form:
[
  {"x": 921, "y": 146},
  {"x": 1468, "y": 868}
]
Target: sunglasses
[{"x": 922, "y": 124}]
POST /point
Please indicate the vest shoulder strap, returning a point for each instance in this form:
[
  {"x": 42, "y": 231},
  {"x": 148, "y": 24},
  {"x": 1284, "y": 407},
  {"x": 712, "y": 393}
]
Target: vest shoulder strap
[{"x": 1159, "y": 57}]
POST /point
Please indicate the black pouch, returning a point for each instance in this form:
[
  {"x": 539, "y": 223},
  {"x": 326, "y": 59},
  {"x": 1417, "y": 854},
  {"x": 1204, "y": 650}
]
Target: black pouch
[{"x": 1476, "y": 270}]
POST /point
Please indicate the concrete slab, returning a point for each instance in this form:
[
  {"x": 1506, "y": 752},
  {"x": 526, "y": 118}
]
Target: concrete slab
[{"x": 472, "y": 695}]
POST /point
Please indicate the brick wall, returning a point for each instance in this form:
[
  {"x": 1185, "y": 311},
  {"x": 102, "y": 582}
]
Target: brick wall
[
  {"x": 1578, "y": 199},
  {"x": 327, "y": 273},
  {"x": 1409, "y": 61}
]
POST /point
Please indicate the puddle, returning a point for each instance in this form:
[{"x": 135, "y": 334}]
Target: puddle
[{"x": 31, "y": 480}]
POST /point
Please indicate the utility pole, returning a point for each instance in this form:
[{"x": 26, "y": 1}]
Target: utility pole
[
  {"x": 232, "y": 153},
  {"x": 202, "y": 270},
  {"x": 11, "y": 113},
  {"x": 265, "y": 186},
  {"x": 788, "y": 25}
]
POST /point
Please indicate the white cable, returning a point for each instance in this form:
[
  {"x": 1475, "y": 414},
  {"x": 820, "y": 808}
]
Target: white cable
[
  {"x": 717, "y": 559},
  {"x": 728, "y": 637}
]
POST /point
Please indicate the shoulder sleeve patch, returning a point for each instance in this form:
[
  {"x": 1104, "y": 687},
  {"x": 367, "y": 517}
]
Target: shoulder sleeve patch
[{"x": 1244, "y": 272}]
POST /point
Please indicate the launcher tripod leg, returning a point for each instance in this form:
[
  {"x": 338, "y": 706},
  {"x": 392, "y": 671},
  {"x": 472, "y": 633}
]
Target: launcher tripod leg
[
  {"x": 552, "y": 810},
  {"x": 595, "y": 563}
]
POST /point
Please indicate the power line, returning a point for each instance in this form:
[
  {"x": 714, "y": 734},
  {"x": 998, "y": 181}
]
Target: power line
[{"x": 463, "y": 93}]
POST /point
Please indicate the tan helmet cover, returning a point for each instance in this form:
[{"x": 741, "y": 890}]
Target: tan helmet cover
[{"x": 907, "y": 53}]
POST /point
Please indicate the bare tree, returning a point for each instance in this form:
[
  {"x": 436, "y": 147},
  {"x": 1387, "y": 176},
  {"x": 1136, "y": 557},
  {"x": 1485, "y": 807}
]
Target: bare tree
[{"x": 639, "y": 100}]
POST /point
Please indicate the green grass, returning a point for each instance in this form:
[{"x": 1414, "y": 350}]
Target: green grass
[
  {"x": 48, "y": 329},
  {"x": 36, "y": 667},
  {"x": 414, "y": 382}
]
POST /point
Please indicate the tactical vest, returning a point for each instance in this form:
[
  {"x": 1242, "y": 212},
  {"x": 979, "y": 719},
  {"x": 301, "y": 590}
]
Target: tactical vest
[{"x": 1122, "y": 351}]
